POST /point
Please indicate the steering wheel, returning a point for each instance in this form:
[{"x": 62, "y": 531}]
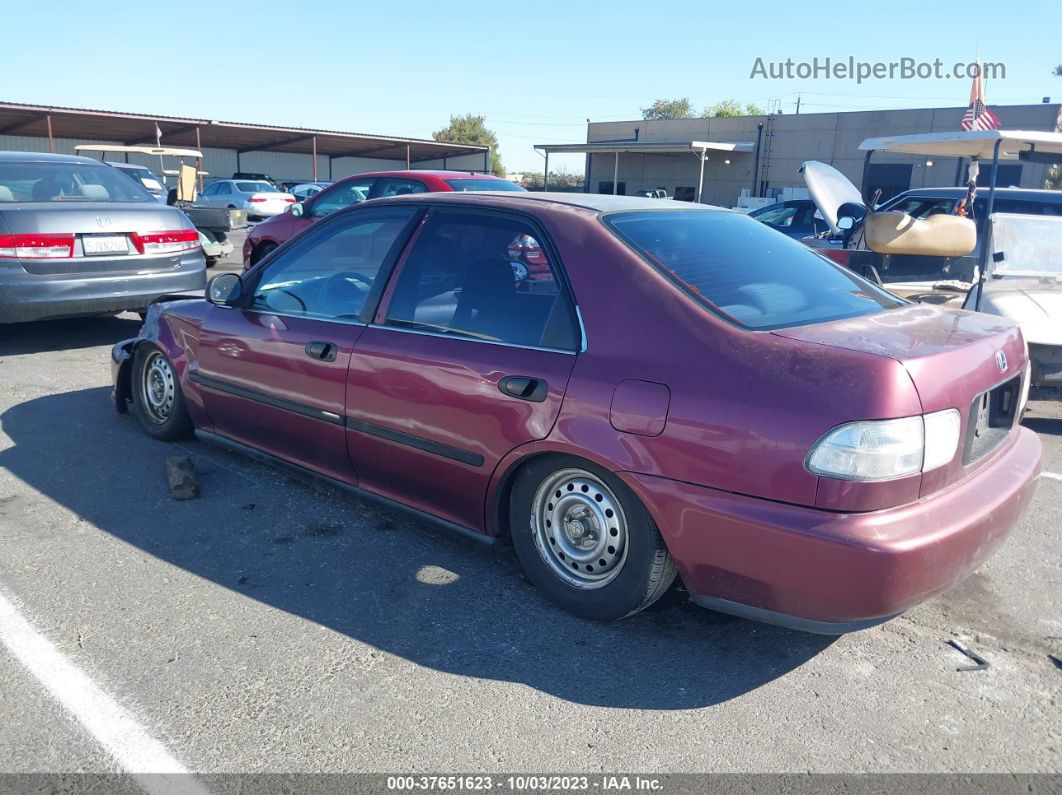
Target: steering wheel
[{"x": 343, "y": 294}]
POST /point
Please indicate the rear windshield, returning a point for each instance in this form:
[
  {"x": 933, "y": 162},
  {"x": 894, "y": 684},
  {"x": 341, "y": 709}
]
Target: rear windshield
[
  {"x": 746, "y": 271},
  {"x": 78, "y": 182},
  {"x": 255, "y": 187},
  {"x": 471, "y": 183}
]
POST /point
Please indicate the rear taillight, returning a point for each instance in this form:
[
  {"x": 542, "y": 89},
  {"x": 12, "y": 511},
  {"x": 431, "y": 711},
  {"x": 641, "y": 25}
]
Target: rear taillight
[
  {"x": 168, "y": 242},
  {"x": 290, "y": 201},
  {"x": 255, "y": 199},
  {"x": 37, "y": 246},
  {"x": 842, "y": 256}
]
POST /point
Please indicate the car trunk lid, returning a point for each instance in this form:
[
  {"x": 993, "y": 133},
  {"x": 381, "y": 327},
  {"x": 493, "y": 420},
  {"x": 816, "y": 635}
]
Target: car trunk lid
[
  {"x": 829, "y": 189},
  {"x": 103, "y": 234},
  {"x": 974, "y": 363}
]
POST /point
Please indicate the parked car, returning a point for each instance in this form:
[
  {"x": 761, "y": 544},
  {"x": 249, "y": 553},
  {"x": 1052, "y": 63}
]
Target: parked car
[
  {"x": 690, "y": 392},
  {"x": 259, "y": 199},
  {"x": 267, "y": 236},
  {"x": 801, "y": 220},
  {"x": 79, "y": 238},
  {"x": 304, "y": 190},
  {"x": 254, "y": 176},
  {"x": 146, "y": 177}
]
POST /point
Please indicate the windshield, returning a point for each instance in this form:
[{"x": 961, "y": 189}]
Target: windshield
[
  {"x": 746, "y": 272},
  {"x": 1026, "y": 245},
  {"x": 470, "y": 183},
  {"x": 255, "y": 187},
  {"x": 57, "y": 181}
]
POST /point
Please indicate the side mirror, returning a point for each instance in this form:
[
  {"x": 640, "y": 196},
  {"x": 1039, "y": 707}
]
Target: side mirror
[
  {"x": 297, "y": 209},
  {"x": 224, "y": 289},
  {"x": 846, "y": 223}
]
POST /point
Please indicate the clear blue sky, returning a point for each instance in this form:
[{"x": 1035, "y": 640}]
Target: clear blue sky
[{"x": 537, "y": 71}]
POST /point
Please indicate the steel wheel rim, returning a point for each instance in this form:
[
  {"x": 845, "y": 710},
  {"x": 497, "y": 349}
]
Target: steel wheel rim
[
  {"x": 158, "y": 387},
  {"x": 579, "y": 528}
]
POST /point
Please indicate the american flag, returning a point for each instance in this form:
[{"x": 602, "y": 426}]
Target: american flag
[{"x": 978, "y": 116}]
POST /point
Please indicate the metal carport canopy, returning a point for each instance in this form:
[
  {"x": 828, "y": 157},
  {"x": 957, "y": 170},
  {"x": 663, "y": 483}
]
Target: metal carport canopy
[
  {"x": 700, "y": 148},
  {"x": 134, "y": 128}
]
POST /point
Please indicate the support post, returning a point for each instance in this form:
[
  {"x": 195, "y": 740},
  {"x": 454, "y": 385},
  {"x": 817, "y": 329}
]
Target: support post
[
  {"x": 756, "y": 164},
  {"x": 545, "y": 174},
  {"x": 984, "y": 229},
  {"x": 700, "y": 178},
  {"x": 408, "y": 163},
  {"x": 314, "y": 142},
  {"x": 615, "y": 176},
  {"x": 199, "y": 163},
  {"x": 51, "y": 139}
]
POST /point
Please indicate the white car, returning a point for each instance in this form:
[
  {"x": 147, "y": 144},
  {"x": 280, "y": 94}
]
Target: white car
[
  {"x": 306, "y": 190},
  {"x": 1024, "y": 285},
  {"x": 259, "y": 199}
]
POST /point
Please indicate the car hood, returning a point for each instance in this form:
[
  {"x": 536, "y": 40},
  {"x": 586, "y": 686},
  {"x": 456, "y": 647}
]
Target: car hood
[
  {"x": 829, "y": 189},
  {"x": 1034, "y": 304}
]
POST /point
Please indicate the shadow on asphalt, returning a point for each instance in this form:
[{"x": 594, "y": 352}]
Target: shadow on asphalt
[
  {"x": 376, "y": 575},
  {"x": 69, "y": 334}
]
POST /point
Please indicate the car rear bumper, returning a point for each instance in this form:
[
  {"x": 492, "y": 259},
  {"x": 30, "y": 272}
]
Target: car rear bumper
[
  {"x": 828, "y": 572},
  {"x": 25, "y": 297}
]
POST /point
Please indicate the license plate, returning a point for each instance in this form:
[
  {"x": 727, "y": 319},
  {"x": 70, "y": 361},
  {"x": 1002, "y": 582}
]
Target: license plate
[{"x": 104, "y": 244}]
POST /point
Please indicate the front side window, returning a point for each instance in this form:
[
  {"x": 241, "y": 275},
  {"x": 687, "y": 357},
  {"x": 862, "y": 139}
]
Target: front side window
[
  {"x": 485, "y": 276},
  {"x": 70, "y": 182},
  {"x": 742, "y": 270},
  {"x": 341, "y": 196},
  {"x": 332, "y": 273}
]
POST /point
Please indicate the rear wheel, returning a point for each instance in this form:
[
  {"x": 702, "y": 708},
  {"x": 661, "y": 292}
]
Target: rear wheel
[
  {"x": 158, "y": 401},
  {"x": 585, "y": 540}
]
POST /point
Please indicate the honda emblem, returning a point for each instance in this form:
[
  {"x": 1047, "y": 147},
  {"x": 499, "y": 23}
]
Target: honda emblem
[
  {"x": 1001, "y": 361},
  {"x": 103, "y": 220}
]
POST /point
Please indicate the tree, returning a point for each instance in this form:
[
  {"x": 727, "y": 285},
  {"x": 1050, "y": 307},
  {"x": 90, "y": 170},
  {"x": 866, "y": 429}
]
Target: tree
[
  {"x": 668, "y": 109},
  {"x": 731, "y": 107},
  {"x": 472, "y": 129}
]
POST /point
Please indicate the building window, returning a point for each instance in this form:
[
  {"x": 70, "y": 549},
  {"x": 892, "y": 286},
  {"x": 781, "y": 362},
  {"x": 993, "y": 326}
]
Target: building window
[
  {"x": 891, "y": 178},
  {"x": 605, "y": 186},
  {"x": 685, "y": 194},
  {"x": 1007, "y": 175}
]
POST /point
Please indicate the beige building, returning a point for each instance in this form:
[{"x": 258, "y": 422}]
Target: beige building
[{"x": 767, "y": 151}]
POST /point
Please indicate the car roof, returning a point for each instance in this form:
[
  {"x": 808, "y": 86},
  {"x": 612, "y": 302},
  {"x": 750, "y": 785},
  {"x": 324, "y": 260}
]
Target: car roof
[
  {"x": 1029, "y": 194},
  {"x": 130, "y": 166},
  {"x": 44, "y": 157},
  {"x": 598, "y": 202}
]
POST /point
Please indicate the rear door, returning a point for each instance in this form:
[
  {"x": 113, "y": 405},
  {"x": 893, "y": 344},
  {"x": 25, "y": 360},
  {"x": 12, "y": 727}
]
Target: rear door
[
  {"x": 467, "y": 359},
  {"x": 338, "y": 197},
  {"x": 273, "y": 373}
]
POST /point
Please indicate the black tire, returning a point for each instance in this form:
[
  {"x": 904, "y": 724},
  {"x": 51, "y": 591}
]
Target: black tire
[
  {"x": 630, "y": 578},
  {"x": 261, "y": 251},
  {"x": 161, "y": 418}
]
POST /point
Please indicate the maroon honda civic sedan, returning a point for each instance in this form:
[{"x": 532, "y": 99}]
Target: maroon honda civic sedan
[{"x": 629, "y": 390}]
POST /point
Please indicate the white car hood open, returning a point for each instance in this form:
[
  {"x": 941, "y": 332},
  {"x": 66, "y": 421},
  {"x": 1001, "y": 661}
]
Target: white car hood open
[{"x": 829, "y": 189}]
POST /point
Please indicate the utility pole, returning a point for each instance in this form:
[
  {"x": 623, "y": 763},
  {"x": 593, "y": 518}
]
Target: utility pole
[{"x": 798, "y": 104}]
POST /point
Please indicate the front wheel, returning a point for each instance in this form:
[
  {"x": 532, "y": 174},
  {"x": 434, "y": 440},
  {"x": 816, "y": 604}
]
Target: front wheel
[
  {"x": 585, "y": 540},
  {"x": 158, "y": 401}
]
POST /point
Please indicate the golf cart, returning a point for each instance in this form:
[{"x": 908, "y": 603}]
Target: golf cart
[
  {"x": 213, "y": 224},
  {"x": 1006, "y": 264}
]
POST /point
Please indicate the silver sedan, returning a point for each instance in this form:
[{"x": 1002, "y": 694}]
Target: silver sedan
[{"x": 259, "y": 199}]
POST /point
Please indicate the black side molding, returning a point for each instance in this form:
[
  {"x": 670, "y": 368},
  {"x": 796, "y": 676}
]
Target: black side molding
[
  {"x": 409, "y": 440},
  {"x": 269, "y": 400}
]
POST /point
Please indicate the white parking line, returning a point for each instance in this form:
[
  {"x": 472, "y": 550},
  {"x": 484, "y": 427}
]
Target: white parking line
[
  {"x": 1051, "y": 475},
  {"x": 138, "y": 753}
]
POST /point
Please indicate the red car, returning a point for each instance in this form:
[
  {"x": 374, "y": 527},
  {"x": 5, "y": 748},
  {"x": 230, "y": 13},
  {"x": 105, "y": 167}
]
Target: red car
[
  {"x": 689, "y": 393},
  {"x": 269, "y": 234}
]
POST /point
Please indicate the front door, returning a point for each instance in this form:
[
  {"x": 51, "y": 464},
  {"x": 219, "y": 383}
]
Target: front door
[
  {"x": 273, "y": 371},
  {"x": 468, "y": 358}
]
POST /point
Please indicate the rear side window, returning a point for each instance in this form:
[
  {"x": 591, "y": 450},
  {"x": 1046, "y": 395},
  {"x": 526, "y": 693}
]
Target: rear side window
[
  {"x": 484, "y": 276},
  {"x": 58, "y": 182},
  {"x": 745, "y": 271},
  {"x": 255, "y": 187}
]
